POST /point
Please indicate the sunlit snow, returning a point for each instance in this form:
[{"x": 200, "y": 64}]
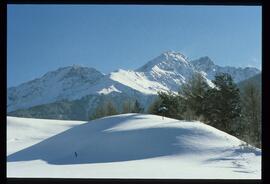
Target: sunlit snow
[{"x": 127, "y": 146}]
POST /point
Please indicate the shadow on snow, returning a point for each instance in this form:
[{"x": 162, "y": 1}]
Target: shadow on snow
[{"x": 94, "y": 143}]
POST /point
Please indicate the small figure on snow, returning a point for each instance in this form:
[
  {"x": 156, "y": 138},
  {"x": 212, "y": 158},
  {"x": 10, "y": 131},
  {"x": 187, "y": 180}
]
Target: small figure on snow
[
  {"x": 162, "y": 109},
  {"x": 75, "y": 154}
]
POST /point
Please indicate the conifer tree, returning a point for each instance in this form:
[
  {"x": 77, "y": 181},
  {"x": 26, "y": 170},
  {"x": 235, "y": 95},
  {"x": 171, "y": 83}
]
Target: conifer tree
[
  {"x": 128, "y": 106},
  {"x": 251, "y": 111},
  {"x": 111, "y": 110},
  {"x": 137, "y": 107},
  {"x": 222, "y": 103},
  {"x": 193, "y": 93},
  {"x": 104, "y": 109},
  {"x": 173, "y": 103},
  {"x": 99, "y": 112},
  {"x": 155, "y": 105}
]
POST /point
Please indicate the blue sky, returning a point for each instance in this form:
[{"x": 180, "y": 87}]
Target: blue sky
[{"x": 41, "y": 38}]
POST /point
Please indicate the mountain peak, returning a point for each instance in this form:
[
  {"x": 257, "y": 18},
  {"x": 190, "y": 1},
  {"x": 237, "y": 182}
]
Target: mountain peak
[
  {"x": 169, "y": 60},
  {"x": 205, "y": 60},
  {"x": 206, "y": 65},
  {"x": 73, "y": 70},
  {"x": 174, "y": 55},
  {"x": 76, "y": 66},
  {"x": 168, "y": 71}
]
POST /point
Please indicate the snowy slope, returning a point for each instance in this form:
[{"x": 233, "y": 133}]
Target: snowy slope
[
  {"x": 206, "y": 65},
  {"x": 170, "y": 69},
  {"x": 25, "y": 132},
  {"x": 128, "y": 146},
  {"x": 166, "y": 72},
  {"x": 71, "y": 82}
]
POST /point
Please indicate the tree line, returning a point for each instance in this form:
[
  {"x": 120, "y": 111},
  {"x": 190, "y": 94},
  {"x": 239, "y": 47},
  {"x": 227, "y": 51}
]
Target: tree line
[
  {"x": 109, "y": 109},
  {"x": 222, "y": 106}
]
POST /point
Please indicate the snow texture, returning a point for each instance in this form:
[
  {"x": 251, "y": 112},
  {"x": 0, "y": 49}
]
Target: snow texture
[{"x": 127, "y": 146}]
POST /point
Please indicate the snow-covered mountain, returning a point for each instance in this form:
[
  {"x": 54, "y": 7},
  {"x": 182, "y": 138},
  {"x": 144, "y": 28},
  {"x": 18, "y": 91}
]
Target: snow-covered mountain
[
  {"x": 165, "y": 72},
  {"x": 206, "y": 65},
  {"x": 170, "y": 69},
  {"x": 127, "y": 146},
  {"x": 70, "y": 83}
]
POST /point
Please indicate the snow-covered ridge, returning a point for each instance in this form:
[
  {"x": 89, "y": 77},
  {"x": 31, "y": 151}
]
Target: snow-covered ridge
[
  {"x": 137, "y": 81},
  {"x": 206, "y": 65},
  {"x": 70, "y": 82},
  {"x": 169, "y": 61},
  {"x": 166, "y": 72},
  {"x": 127, "y": 146}
]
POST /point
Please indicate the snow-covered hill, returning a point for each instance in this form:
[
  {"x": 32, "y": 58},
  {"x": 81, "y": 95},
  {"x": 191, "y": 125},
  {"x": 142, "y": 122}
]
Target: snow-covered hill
[
  {"x": 166, "y": 72},
  {"x": 126, "y": 146},
  {"x": 25, "y": 132}
]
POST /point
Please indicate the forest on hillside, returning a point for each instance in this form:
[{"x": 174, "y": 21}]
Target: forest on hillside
[{"x": 225, "y": 107}]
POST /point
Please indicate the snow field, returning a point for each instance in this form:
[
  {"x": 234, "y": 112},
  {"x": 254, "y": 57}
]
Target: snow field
[{"x": 126, "y": 146}]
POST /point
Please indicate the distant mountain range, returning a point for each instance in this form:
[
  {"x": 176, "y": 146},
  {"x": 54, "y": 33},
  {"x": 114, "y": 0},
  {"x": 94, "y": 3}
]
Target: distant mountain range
[
  {"x": 256, "y": 80},
  {"x": 74, "y": 92}
]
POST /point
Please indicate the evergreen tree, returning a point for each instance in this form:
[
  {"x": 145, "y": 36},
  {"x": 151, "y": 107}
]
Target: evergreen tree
[
  {"x": 128, "y": 106},
  {"x": 153, "y": 108},
  {"x": 173, "y": 103},
  {"x": 193, "y": 93},
  {"x": 99, "y": 112},
  {"x": 111, "y": 110},
  {"x": 222, "y": 103},
  {"x": 104, "y": 109},
  {"x": 189, "y": 114},
  {"x": 137, "y": 107},
  {"x": 251, "y": 111}
]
